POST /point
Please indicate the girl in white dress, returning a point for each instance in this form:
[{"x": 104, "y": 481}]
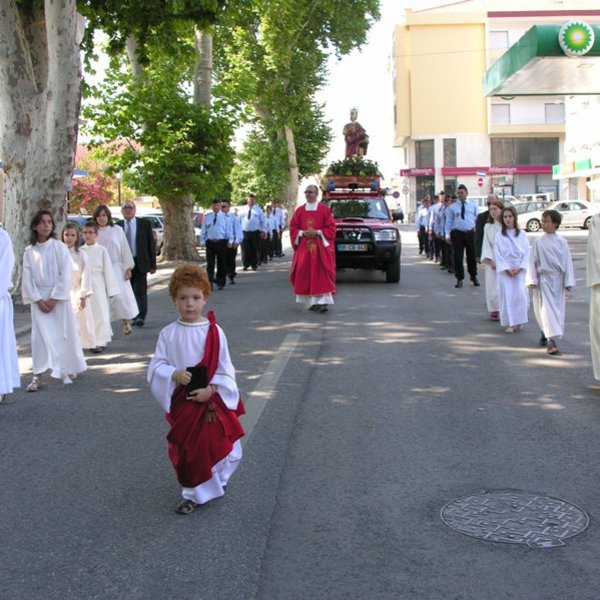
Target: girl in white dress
[
  {"x": 123, "y": 306},
  {"x": 47, "y": 268},
  {"x": 9, "y": 363},
  {"x": 511, "y": 253},
  {"x": 81, "y": 286},
  {"x": 487, "y": 257}
]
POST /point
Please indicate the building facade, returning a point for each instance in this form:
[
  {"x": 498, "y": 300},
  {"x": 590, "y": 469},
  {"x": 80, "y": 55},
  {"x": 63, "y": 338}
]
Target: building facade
[{"x": 449, "y": 130}]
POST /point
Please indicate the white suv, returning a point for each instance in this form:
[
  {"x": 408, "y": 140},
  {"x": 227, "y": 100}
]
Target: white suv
[{"x": 481, "y": 201}]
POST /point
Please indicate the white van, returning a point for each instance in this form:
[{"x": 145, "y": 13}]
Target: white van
[{"x": 481, "y": 201}]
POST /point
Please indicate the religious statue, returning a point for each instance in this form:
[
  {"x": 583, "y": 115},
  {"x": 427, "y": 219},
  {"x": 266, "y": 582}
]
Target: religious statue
[{"x": 357, "y": 140}]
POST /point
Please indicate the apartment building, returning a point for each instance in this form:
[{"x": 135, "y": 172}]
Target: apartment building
[{"x": 449, "y": 130}]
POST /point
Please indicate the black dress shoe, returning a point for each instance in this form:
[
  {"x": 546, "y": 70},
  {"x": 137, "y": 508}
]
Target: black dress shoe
[
  {"x": 475, "y": 282},
  {"x": 458, "y": 283},
  {"x": 138, "y": 322},
  {"x": 246, "y": 268},
  {"x": 232, "y": 281},
  {"x": 220, "y": 287}
]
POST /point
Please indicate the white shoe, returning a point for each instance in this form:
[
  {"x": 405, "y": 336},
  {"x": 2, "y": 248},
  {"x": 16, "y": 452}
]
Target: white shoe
[{"x": 67, "y": 380}]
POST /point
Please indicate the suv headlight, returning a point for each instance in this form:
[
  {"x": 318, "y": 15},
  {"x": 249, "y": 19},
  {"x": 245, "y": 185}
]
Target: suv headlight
[{"x": 386, "y": 235}]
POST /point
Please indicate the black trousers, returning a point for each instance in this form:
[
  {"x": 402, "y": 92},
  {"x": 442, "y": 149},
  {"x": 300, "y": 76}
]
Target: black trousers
[
  {"x": 464, "y": 242},
  {"x": 251, "y": 248},
  {"x": 230, "y": 266},
  {"x": 216, "y": 251},
  {"x": 423, "y": 240},
  {"x": 139, "y": 285},
  {"x": 276, "y": 243}
]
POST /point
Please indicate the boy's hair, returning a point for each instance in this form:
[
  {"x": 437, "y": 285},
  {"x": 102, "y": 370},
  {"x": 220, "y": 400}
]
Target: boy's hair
[
  {"x": 554, "y": 216},
  {"x": 462, "y": 186},
  {"x": 36, "y": 220},
  {"x": 190, "y": 275},
  {"x": 103, "y": 208},
  {"x": 90, "y": 225},
  {"x": 71, "y": 226}
]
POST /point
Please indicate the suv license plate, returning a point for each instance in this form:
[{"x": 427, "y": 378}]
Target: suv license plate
[{"x": 352, "y": 247}]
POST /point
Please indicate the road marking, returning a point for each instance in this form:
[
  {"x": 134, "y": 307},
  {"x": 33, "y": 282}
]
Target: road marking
[{"x": 257, "y": 399}]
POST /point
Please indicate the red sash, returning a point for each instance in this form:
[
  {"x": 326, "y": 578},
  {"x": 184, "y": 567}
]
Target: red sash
[{"x": 202, "y": 434}]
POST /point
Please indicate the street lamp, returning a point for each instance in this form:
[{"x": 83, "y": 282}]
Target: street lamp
[{"x": 119, "y": 177}]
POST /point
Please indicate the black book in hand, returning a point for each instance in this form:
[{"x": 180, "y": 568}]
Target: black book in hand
[{"x": 199, "y": 379}]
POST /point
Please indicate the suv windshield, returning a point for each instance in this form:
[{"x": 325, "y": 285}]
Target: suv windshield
[{"x": 365, "y": 208}]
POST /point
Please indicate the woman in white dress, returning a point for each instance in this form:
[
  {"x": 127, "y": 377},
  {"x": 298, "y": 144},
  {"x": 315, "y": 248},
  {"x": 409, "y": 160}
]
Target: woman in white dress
[
  {"x": 9, "y": 363},
  {"x": 46, "y": 286},
  {"x": 122, "y": 306},
  {"x": 511, "y": 253},
  {"x": 487, "y": 256}
]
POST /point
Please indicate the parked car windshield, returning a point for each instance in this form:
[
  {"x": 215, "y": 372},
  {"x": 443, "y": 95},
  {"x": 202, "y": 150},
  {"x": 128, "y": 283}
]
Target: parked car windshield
[{"x": 365, "y": 208}]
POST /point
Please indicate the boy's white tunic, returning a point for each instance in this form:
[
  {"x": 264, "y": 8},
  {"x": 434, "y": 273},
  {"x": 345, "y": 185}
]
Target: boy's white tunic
[
  {"x": 487, "y": 253},
  {"x": 511, "y": 252},
  {"x": 81, "y": 288},
  {"x": 55, "y": 341},
  {"x": 124, "y": 305},
  {"x": 9, "y": 362},
  {"x": 104, "y": 285},
  {"x": 551, "y": 270},
  {"x": 181, "y": 345},
  {"x": 593, "y": 282}
]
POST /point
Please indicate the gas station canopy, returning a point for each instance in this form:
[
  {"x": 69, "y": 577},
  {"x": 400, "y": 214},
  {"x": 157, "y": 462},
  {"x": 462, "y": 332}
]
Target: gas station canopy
[{"x": 549, "y": 60}]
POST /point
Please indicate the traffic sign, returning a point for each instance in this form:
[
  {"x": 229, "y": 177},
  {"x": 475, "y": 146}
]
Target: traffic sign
[
  {"x": 405, "y": 190},
  {"x": 396, "y": 194},
  {"x": 480, "y": 182}
]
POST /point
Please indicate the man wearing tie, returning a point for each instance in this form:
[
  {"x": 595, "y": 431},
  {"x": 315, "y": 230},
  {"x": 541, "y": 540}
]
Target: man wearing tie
[
  {"x": 215, "y": 235},
  {"x": 140, "y": 238},
  {"x": 461, "y": 218},
  {"x": 237, "y": 236},
  {"x": 253, "y": 227}
]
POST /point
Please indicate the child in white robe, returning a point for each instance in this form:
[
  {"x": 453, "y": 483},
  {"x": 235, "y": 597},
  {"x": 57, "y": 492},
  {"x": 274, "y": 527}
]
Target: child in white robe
[
  {"x": 124, "y": 305},
  {"x": 511, "y": 253},
  {"x": 204, "y": 440},
  {"x": 81, "y": 286},
  {"x": 592, "y": 281},
  {"x": 10, "y": 378},
  {"x": 550, "y": 274},
  {"x": 487, "y": 257},
  {"x": 46, "y": 286},
  {"x": 105, "y": 285}
]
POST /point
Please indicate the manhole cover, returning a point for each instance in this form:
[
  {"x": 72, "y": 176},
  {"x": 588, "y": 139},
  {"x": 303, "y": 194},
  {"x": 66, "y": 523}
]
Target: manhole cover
[{"x": 513, "y": 517}]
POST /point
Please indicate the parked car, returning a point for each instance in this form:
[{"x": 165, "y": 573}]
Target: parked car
[
  {"x": 156, "y": 221},
  {"x": 575, "y": 213},
  {"x": 525, "y": 207},
  {"x": 542, "y": 196},
  {"x": 481, "y": 201},
  {"x": 79, "y": 220}
]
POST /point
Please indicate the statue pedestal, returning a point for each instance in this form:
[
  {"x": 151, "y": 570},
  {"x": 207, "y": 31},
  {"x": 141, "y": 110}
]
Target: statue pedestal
[{"x": 353, "y": 181}]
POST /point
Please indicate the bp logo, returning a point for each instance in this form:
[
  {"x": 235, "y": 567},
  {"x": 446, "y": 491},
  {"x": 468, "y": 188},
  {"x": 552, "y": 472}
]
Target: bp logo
[{"x": 576, "y": 38}]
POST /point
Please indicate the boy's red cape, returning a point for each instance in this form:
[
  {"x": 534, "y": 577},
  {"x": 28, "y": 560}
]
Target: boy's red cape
[{"x": 202, "y": 434}]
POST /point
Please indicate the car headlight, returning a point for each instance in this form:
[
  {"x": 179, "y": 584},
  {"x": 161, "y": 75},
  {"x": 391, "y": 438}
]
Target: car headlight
[{"x": 386, "y": 235}]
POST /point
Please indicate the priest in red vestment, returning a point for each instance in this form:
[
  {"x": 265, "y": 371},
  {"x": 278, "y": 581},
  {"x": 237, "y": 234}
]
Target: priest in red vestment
[{"x": 312, "y": 233}]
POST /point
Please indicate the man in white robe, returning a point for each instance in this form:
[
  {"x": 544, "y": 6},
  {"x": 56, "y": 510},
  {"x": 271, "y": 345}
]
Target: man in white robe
[
  {"x": 593, "y": 282},
  {"x": 550, "y": 274},
  {"x": 9, "y": 363}
]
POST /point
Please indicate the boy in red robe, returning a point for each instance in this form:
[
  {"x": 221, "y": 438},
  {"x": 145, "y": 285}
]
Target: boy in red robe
[
  {"x": 204, "y": 439},
  {"x": 312, "y": 233}
]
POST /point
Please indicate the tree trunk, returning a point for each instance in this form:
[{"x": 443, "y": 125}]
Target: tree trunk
[
  {"x": 40, "y": 94},
  {"x": 179, "y": 241},
  {"x": 203, "y": 68},
  {"x": 291, "y": 186}
]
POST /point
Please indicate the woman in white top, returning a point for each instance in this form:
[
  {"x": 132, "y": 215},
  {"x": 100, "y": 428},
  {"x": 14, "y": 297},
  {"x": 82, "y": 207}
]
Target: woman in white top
[
  {"x": 492, "y": 227},
  {"x": 511, "y": 253},
  {"x": 122, "y": 306}
]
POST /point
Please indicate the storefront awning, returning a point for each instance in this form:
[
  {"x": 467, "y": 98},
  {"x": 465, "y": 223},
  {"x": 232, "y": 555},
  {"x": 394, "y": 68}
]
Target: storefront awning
[{"x": 538, "y": 64}]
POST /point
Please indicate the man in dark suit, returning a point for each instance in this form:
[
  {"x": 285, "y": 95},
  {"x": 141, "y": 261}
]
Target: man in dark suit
[
  {"x": 482, "y": 219},
  {"x": 140, "y": 238}
]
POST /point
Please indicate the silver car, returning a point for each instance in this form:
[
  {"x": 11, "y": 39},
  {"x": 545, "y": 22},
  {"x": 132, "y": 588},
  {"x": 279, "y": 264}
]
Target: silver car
[{"x": 575, "y": 213}]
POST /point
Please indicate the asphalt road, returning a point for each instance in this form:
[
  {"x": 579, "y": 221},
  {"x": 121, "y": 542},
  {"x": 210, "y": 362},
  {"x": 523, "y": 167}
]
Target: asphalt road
[{"x": 363, "y": 423}]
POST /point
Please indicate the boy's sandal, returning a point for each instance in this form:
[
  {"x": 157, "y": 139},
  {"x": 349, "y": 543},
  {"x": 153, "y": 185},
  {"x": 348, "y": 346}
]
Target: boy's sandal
[
  {"x": 186, "y": 507},
  {"x": 552, "y": 349}
]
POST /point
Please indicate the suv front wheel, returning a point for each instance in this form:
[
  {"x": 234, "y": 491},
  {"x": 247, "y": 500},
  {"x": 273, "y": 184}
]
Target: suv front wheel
[{"x": 392, "y": 272}]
